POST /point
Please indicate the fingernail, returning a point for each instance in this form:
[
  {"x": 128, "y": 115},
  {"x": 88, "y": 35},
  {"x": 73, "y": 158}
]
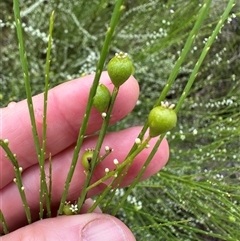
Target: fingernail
[{"x": 103, "y": 229}]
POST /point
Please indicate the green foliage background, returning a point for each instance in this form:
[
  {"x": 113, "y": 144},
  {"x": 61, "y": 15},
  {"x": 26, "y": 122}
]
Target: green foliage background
[{"x": 197, "y": 195}]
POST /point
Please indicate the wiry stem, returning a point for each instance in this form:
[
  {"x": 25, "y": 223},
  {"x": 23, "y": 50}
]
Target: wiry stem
[
  {"x": 24, "y": 63},
  {"x": 115, "y": 17},
  {"x": 204, "y": 52},
  {"x": 18, "y": 179},
  {"x": 4, "y": 224},
  {"x": 97, "y": 148},
  {"x": 120, "y": 172},
  {"x": 136, "y": 180},
  {"x": 187, "y": 47},
  {"x": 167, "y": 87},
  {"x": 44, "y": 195},
  {"x": 183, "y": 96},
  {"x": 121, "y": 166}
]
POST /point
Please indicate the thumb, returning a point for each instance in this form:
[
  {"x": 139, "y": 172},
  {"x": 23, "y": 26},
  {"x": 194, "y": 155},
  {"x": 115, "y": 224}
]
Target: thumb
[{"x": 84, "y": 227}]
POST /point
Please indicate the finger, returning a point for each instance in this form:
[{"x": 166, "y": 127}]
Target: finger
[
  {"x": 66, "y": 107},
  {"x": 85, "y": 227},
  {"x": 121, "y": 143}
]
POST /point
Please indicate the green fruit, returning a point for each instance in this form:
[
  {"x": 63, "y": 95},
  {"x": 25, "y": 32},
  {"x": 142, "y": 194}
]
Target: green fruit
[
  {"x": 120, "y": 68},
  {"x": 86, "y": 159},
  {"x": 67, "y": 210},
  {"x": 102, "y": 98},
  {"x": 161, "y": 119}
]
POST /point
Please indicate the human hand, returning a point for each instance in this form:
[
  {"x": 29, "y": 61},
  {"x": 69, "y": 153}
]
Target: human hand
[{"x": 66, "y": 107}]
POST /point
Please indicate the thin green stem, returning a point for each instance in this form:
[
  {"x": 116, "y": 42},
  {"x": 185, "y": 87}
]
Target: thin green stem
[
  {"x": 18, "y": 179},
  {"x": 50, "y": 178},
  {"x": 24, "y": 63},
  {"x": 44, "y": 195},
  {"x": 188, "y": 86},
  {"x": 136, "y": 180},
  {"x": 206, "y": 48},
  {"x": 183, "y": 96},
  {"x": 121, "y": 166},
  {"x": 97, "y": 148},
  {"x": 121, "y": 172},
  {"x": 101, "y": 158},
  {"x": 113, "y": 23},
  {"x": 121, "y": 176},
  {"x": 187, "y": 47},
  {"x": 101, "y": 197},
  {"x": 4, "y": 224}
]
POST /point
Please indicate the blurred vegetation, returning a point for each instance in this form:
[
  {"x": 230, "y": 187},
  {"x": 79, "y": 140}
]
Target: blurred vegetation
[{"x": 196, "y": 196}]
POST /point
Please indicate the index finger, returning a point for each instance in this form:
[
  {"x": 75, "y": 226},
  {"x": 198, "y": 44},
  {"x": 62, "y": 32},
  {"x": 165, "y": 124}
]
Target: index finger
[{"x": 66, "y": 108}]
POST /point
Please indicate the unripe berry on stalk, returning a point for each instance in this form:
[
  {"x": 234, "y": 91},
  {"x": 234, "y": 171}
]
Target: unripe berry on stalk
[
  {"x": 67, "y": 209},
  {"x": 120, "y": 68},
  {"x": 161, "y": 119},
  {"x": 102, "y": 98}
]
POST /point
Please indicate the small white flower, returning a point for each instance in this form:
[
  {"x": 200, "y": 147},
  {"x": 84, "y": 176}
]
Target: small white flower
[
  {"x": 182, "y": 137},
  {"x": 107, "y": 148},
  {"x": 74, "y": 208},
  {"x": 166, "y": 104},
  {"x": 20, "y": 169},
  {"x": 195, "y": 132},
  {"x": 104, "y": 114},
  {"x": 115, "y": 161},
  {"x": 137, "y": 140},
  {"x": 6, "y": 141},
  {"x": 107, "y": 170},
  {"x": 121, "y": 55}
]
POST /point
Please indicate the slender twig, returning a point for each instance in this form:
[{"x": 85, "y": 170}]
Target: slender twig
[
  {"x": 187, "y": 47},
  {"x": 121, "y": 166},
  {"x": 24, "y": 63},
  {"x": 166, "y": 89},
  {"x": 101, "y": 197},
  {"x": 170, "y": 81},
  {"x": 119, "y": 173},
  {"x": 136, "y": 180},
  {"x": 18, "y": 177},
  {"x": 182, "y": 98},
  {"x": 204, "y": 52},
  {"x": 50, "y": 178},
  {"x": 97, "y": 148},
  {"x": 4, "y": 224},
  {"x": 44, "y": 195},
  {"x": 113, "y": 23}
]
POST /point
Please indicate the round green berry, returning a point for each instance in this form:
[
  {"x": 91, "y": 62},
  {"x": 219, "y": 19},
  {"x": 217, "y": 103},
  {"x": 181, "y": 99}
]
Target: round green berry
[
  {"x": 102, "y": 98},
  {"x": 86, "y": 159},
  {"x": 161, "y": 119},
  {"x": 67, "y": 209},
  {"x": 120, "y": 68}
]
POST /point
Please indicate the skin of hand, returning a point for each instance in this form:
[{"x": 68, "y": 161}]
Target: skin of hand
[{"x": 66, "y": 107}]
